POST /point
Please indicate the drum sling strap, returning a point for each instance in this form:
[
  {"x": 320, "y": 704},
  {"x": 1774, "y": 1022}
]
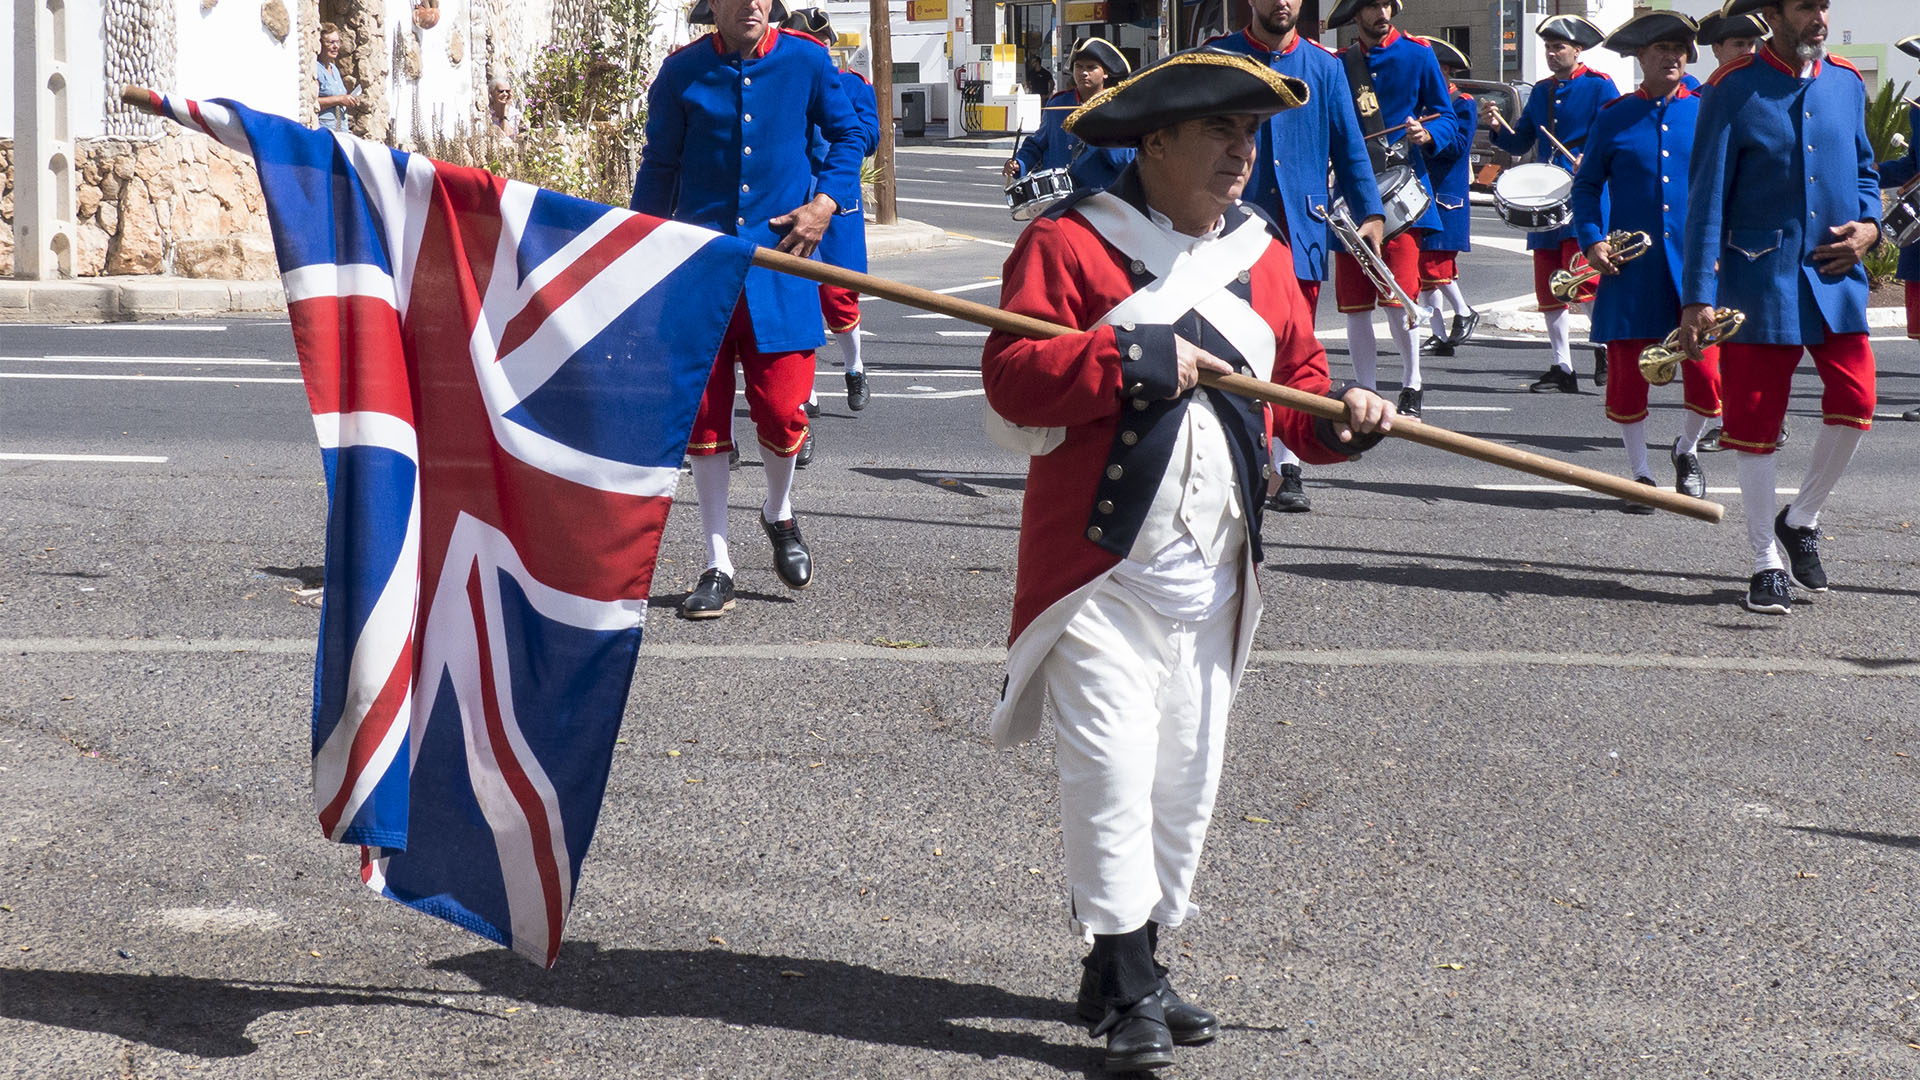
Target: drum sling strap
[{"x": 1366, "y": 103}]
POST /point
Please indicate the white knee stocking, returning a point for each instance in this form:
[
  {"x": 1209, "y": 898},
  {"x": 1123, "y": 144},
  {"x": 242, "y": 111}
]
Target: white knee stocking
[
  {"x": 1831, "y": 452},
  {"x": 1409, "y": 347},
  {"x": 1692, "y": 426},
  {"x": 1456, "y": 298},
  {"x": 1559, "y": 329},
  {"x": 1635, "y": 436},
  {"x": 1438, "y": 323},
  {"x": 1361, "y": 347},
  {"x": 779, "y": 504},
  {"x": 1756, "y": 502},
  {"x": 710, "y": 475},
  {"x": 850, "y": 350}
]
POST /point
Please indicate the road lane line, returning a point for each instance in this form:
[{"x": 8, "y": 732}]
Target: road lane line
[
  {"x": 1898, "y": 667},
  {"x": 198, "y": 361},
  {"x": 991, "y": 283},
  {"x": 1465, "y": 408},
  {"x": 951, "y": 235},
  {"x": 195, "y": 328},
  {"x": 1571, "y": 487},
  {"x": 949, "y": 183},
  {"x": 113, "y": 459},
  {"x": 142, "y": 378},
  {"x": 963, "y": 333},
  {"x": 945, "y": 202}
]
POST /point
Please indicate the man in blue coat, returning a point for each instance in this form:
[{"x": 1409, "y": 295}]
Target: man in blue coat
[
  {"x": 1393, "y": 80},
  {"x": 1898, "y": 173},
  {"x": 1095, "y": 65},
  {"x": 1564, "y": 103},
  {"x": 845, "y": 244},
  {"x": 1450, "y": 164},
  {"x": 1633, "y": 178},
  {"x": 1289, "y": 181},
  {"x": 1782, "y": 204},
  {"x": 727, "y": 125}
]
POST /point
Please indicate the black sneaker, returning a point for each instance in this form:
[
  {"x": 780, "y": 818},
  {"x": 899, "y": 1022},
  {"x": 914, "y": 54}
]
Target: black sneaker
[
  {"x": 1803, "y": 553},
  {"x": 805, "y": 457},
  {"x": 1767, "y": 593},
  {"x": 791, "y": 559},
  {"x": 1710, "y": 441},
  {"x": 710, "y": 599},
  {"x": 1463, "y": 327},
  {"x": 1599, "y": 366},
  {"x": 1556, "y": 378},
  {"x": 1409, "y": 403},
  {"x": 1628, "y": 506},
  {"x": 857, "y": 392},
  {"x": 1290, "y": 498},
  {"x": 1687, "y": 477}
]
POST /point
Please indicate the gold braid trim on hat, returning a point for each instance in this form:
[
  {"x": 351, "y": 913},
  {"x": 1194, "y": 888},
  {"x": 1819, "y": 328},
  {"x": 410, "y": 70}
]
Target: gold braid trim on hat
[{"x": 1292, "y": 92}]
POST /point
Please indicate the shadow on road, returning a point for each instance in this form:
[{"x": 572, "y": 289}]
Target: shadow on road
[
  {"x": 1501, "y": 584},
  {"x": 1893, "y": 840},
  {"x": 825, "y": 997},
  {"x": 1439, "y": 493},
  {"x": 204, "y": 1017},
  {"x": 968, "y": 484}
]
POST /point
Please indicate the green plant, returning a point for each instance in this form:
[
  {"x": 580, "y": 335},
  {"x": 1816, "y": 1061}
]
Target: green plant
[{"x": 1887, "y": 130}]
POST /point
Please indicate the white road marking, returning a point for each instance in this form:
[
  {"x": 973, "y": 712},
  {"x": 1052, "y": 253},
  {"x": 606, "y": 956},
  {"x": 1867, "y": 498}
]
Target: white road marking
[
  {"x": 988, "y": 284},
  {"x": 938, "y": 395},
  {"x": 194, "y": 328},
  {"x": 946, "y": 202},
  {"x": 111, "y": 459},
  {"x": 197, "y": 361},
  {"x": 1512, "y": 245},
  {"x": 930, "y": 315},
  {"x": 1897, "y": 667},
  {"x": 1571, "y": 487},
  {"x": 142, "y": 378},
  {"x": 949, "y": 183},
  {"x": 951, "y": 235},
  {"x": 956, "y": 373},
  {"x": 1465, "y": 408},
  {"x": 963, "y": 333}
]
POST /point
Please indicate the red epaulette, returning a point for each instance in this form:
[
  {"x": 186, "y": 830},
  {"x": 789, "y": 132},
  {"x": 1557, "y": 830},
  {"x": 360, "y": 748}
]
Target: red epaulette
[
  {"x": 1466, "y": 97},
  {"x": 1610, "y": 104},
  {"x": 1845, "y": 63},
  {"x": 1325, "y": 48},
  {"x": 1731, "y": 66},
  {"x": 803, "y": 35},
  {"x": 857, "y": 75}
]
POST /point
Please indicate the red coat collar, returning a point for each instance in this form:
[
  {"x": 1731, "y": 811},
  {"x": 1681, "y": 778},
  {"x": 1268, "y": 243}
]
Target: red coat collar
[
  {"x": 1771, "y": 57},
  {"x": 765, "y": 46},
  {"x": 1393, "y": 35},
  {"x": 1679, "y": 91},
  {"x": 1257, "y": 42},
  {"x": 1578, "y": 71}
]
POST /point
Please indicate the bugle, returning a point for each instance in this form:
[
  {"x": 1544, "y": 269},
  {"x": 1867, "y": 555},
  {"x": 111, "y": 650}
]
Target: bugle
[
  {"x": 1627, "y": 246},
  {"x": 1370, "y": 263},
  {"x": 1660, "y": 363}
]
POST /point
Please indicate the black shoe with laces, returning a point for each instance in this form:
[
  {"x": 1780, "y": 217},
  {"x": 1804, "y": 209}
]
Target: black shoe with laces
[
  {"x": 1767, "y": 594},
  {"x": 1435, "y": 346},
  {"x": 1409, "y": 402},
  {"x": 1463, "y": 327},
  {"x": 1137, "y": 1036},
  {"x": 1710, "y": 441},
  {"x": 791, "y": 559},
  {"x": 805, "y": 457},
  {"x": 1556, "y": 378},
  {"x": 857, "y": 392},
  {"x": 1687, "y": 477},
  {"x": 710, "y": 599},
  {"x": 1290, "y": 498},
  {"x": 1803, "y": 553},
  {"x": 1628, "y": 506}
]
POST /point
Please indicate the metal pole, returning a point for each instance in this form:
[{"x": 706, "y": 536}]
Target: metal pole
[{"x": 884, "y": 210}]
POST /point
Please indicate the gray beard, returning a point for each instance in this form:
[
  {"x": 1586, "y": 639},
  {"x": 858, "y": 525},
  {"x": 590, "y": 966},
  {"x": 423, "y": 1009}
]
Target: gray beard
[{"x": 1807, "y": 52}]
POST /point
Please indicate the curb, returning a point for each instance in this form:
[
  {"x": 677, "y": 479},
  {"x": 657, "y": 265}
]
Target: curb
[
  {"x": 1519, "y": 320},
  {"x": 159, "y": 296}
]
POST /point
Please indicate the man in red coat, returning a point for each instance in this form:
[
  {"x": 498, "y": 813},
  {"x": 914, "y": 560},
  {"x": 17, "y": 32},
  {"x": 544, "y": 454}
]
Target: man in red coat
[{"x": 1135, "y": 602}]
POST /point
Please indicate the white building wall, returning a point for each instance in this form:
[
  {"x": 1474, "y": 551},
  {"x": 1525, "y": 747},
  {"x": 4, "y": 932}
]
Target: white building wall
[
  {"x": 224, "y": 51},
  {"x": 446, "y": 98},
  {"x": 1863, "y": 31}
]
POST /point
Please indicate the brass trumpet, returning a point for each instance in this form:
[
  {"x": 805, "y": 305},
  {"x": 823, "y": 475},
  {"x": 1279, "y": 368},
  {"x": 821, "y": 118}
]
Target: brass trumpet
[
  {"x": 1660, "y": 363},
  {"x": 1371, "y": 264},
  {"x": 1627, "y": 246}
]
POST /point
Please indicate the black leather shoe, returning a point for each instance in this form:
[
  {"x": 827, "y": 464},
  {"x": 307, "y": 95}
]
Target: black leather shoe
[
  {"x": 1599, "y": 367},
  {"x": 1463, "y": 327},
  {"x": 1435, "y": 346},
  {"x": 1137, "y": 1036},
  {"x": 1556, "y": 378},
  {"x": 1784, "y": 435},
  {"x": 1911, "y": 414},
  {"x": 805, "y": 457},
  {"x": 857, "y": 392},
  {"x": 1687, "y": 477},
  {"x": 1628, "y": 506},
  {"x": 1409, "y": 403},
  {"x": 791, "y": 559},
  {"x": 1189, "y": 1024},
  {"x": 811, "y": 408},
  {"x": 1803, "y": 553},
  {"x": 1290, "y": 498},
  {"x": 1768, "y": 594},
  {"x": 710, "y": 599},
  {"x": 1710, "y": 441},
  {"x": 733, "y": 459}
]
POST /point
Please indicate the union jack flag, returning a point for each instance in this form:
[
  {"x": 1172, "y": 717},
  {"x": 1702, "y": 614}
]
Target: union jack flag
[{"x": 502, "y": 379}]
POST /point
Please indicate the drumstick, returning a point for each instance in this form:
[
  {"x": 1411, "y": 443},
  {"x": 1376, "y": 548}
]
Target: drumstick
[
  {"x": 1557, "y": 144},
  {"x": 1403, "y": 127}
]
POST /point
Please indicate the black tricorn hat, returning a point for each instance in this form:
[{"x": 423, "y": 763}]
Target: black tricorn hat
[
  {"x": 1184, "y": 86},
  {"x": 1746, "y": 7},
  {"x": 1101, "y": 51},
  {"x": 1345, "y": 10},
  {"x": 702, "y": 14},
  {"x": 813, "y": 22},
  {"x": 1572, "y": 29},
  {"x": 1716, "y": 28},
  {"x": 1643, "y": 30},
  {"x": 1447, "y": 53},
  {"x": 1909, "y": 45}
]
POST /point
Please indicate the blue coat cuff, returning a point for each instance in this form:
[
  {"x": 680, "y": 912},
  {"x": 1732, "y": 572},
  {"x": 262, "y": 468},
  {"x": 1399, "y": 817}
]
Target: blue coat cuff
[
  {"x": 1329, "y": 438},
  {"x": 1147, "y": 368}
]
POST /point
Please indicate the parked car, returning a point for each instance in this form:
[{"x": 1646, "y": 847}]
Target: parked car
[{"x": 1489, "y": 161}]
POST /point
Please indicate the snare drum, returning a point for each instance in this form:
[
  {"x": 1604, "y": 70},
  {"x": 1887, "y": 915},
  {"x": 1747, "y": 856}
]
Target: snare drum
[
  {"x": 1535, "y": 197},
  {"x": 1034, "y": 192},
  {"x": 1402, "y": 198},
  {"x": 1901, "y": 224}
]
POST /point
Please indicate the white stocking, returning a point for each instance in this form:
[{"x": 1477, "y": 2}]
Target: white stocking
[
  {"x": 1691, "y": 427},
  {"x": 1559, "y": 329},
  {"x": 1456, "y": 298},
  {"x": 779, "y": 504},
  {"x": 1756, "y": 502},
  {"x": 1408, "y": 345},
  {"x": 1635, "y": 436},
  {"x": 850, "y": 350},
  {"x": 1361, "y": 348},
  {"x": 1431, "y": 298},
  {"x": 1831, "y": 452},
  {"x": 710, "y": 475}
]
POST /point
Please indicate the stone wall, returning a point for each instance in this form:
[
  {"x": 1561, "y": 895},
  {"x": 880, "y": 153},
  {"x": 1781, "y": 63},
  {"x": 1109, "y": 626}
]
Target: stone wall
[{"x": 180, "y": 204}]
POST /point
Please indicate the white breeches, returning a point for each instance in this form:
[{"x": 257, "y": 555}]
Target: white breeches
[{"x": 1140, "y": 708}]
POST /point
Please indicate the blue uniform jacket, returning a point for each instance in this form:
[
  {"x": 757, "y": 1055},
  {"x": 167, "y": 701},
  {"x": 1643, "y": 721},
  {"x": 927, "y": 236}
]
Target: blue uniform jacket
[
  {"x": 1576, "y": 105},
  {"x": 1897, "y": 172},
  {"x": 1637, "y": 154},
  {"x": 1450, "y": 163},
  {"x": 1408, "y": 82},
  {"x": 1290, "y": 178},
  {"x": 727, "y": 148},
  {"x": 1054, "y": 147},
  {"x": 1754, "y": 209},
  {"x": 845, "y": 244}
]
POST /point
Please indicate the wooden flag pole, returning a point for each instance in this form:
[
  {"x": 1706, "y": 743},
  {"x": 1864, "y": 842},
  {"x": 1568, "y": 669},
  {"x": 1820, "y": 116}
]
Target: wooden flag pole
[{"x": 1299, "y": 400}]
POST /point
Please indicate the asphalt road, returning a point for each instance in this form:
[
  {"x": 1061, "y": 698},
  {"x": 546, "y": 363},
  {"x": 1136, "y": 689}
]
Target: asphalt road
[{"x": 1515, "y": 789}]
